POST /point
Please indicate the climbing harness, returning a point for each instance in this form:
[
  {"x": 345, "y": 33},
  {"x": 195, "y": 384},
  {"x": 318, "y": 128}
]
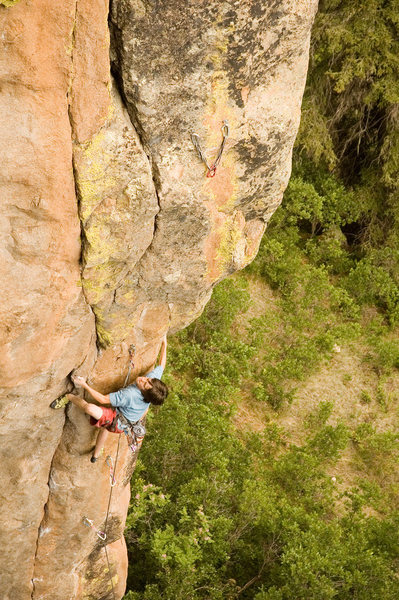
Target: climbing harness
[
  {"x": 134, "y": 432},
  {"x": 211, "y": 169},
  {"x": 89, "y": 523},
  {"x": 110, "y": 463}
]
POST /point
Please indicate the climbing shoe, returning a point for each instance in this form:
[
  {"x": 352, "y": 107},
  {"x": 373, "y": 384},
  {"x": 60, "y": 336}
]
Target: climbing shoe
[
  {"x": 59, "y": 402},
  {"x": 93, "y": 459}
]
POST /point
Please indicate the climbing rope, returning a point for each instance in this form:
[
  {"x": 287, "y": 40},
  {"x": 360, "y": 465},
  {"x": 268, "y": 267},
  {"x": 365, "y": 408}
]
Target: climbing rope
[
  {"x": 107, "y": 515},
  {"x": 211, "y": 169},
  {"x": 112, "y": 465},
  {"x": 102, "y": 534}
]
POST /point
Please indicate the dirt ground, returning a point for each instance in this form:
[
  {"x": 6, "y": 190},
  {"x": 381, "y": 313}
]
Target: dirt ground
[{"x": 346, "y": 380}]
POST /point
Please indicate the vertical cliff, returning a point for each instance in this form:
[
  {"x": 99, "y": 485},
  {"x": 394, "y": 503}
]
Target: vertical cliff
[{"x": 113, "y": 234}]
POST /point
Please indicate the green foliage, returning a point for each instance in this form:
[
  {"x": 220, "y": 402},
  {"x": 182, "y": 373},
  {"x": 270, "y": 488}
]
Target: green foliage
[
  {"x": 373, "y": 284},
  {"x": 329, "y": 250},
  {"x": 229, "y": 299},
  {"x": 314, "y": 312},
  {"x": 383, "y": 353},
  {"x": 219, "y": 515},
  {"x": 365, "y": 397},
  {"x": 379, "y": 452},
  {"x": 320, "y": 416},
  {"x": 328, "y": 560},
  {"x": 348, "y": 172},
  {"x": 330, "y": 441},
  {"x": 353, "y": 80},
  {"x": 346, "y": 378},
  {"x": 370, "y": 442}
]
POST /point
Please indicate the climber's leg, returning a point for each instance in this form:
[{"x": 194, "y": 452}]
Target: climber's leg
[
  {"x": 101, "y": 439},
  {"x": 90, "y": 409}
]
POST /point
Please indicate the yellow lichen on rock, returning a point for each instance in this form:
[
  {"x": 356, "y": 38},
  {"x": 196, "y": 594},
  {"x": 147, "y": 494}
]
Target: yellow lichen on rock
[
  {"x": 8, "y": 2},
  {"x": 117, "y": 206},
  {"x": 91, "y": 163},
  {"x": 230, "y": 236}
]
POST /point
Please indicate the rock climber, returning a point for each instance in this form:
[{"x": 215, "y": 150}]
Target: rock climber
[{"x": 130, "y": 403}]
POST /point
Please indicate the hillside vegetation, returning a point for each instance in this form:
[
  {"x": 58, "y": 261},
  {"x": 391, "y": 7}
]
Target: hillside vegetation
[{"x": 271, "y": 473}]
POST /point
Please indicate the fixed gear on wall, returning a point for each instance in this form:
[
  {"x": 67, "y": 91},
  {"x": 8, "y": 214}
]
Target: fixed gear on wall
[{"x": 211, "y": 169}]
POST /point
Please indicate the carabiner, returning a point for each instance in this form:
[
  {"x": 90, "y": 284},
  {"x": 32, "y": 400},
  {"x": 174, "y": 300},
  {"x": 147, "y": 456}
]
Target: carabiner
[
  {"x": 89, "y": 523},
  {"x": 110, "y": 463},
  {"x": 225, "y": 129}
]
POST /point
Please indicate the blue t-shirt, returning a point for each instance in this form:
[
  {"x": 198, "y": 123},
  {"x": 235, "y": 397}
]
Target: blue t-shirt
[{"x": 130, "y": 401}]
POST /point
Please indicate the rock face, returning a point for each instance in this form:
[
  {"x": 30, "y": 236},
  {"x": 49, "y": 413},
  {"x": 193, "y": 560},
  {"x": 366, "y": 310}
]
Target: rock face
[{"x": 113, "y": 234}]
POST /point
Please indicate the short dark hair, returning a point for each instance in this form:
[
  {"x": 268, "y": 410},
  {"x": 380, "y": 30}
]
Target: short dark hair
[{"x": 157, "y": 394}]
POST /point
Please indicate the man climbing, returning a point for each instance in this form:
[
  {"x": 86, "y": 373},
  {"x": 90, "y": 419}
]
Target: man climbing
[{"x": 130, "y": 403}]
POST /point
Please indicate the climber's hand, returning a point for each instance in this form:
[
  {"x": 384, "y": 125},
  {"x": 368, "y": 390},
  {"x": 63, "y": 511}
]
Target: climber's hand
[{"x": 78, "y": 380}]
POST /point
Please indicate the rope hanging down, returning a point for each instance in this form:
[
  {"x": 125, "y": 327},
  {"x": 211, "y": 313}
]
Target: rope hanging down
[
  {"x": 211, "y": 169},
  {"x": 112, "y": 466},
  {"x": 107, "y": 515},
  {"x": 102, "y": 534},
  {"x": 110, "y": 463}
]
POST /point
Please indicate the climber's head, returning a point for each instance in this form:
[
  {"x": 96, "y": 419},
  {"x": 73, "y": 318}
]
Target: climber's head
[{"x": 154, "y": 390}]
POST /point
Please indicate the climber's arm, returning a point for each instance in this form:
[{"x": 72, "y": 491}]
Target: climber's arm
[
  {"x": 162, "y": 358},
  {"x": 96, "y": 395}
]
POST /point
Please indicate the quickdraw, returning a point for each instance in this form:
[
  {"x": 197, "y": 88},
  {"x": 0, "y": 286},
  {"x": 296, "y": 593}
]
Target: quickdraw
[
  {"x": 134, "y": 432},
  {"x": 211, "y": 169},
  {"x": 132, "y": 350},
  {"x": 110, "y": 463},
  {"x": 89, "y": 523}
]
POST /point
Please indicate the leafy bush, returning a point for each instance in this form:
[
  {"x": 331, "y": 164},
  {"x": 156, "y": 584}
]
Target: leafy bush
[
  {"x": 372, "y": 284},
  {"x": 320, "y": 416},
  {"x": 330, "y": 441}
]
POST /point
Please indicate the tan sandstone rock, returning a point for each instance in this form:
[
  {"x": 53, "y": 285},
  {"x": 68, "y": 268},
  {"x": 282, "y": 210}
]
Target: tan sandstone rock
[{"x": 46, "y": 325}]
